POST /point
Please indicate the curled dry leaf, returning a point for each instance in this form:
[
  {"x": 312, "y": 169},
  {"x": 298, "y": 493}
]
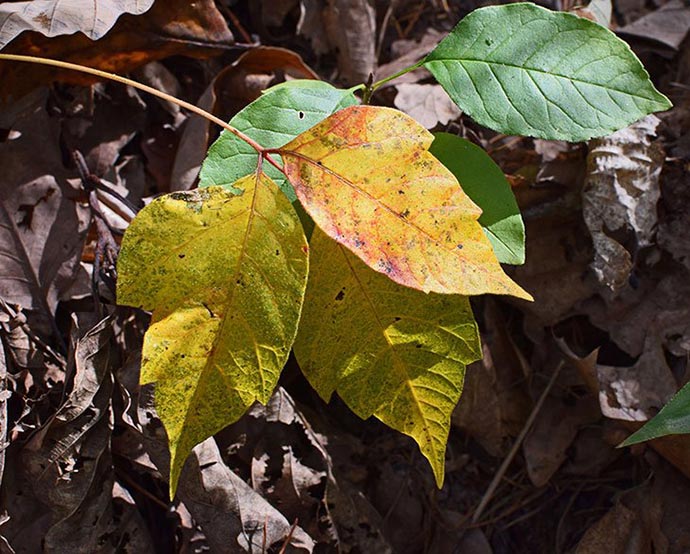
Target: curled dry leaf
[{"x": 620, "y": 197}]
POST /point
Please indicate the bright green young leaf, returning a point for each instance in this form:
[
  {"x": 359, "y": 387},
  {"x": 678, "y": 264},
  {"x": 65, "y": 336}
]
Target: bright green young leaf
[
  {"x": 487, "y": 186},
  {"x": 672, "y": 419},
  {"x": 521, "y": 69},
  {"x": 366, "y": 178},
  {"x": 225, "y": 276},
  {"x": 276, "y": 117},
  {"x": 387, "y": 350}
]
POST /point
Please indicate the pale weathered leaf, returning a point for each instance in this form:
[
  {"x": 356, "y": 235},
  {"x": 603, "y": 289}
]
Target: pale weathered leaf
[
  {"x": 619, "y": 198},
  {"x": 225, "y": 275},
  {"x": 64, "y": 17},
  {"x": 387, "y": 350}
]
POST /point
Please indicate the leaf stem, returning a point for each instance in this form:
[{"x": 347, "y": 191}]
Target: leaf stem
[
  {"x": 400, "y": 73},
  {"x": 155, "y": 92}
]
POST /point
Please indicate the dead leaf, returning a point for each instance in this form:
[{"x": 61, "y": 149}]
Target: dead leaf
[
  {"x": 668, "y": 25},
  {"x": 495, "y": 401},
  {"x": 428, "y": 104},
  {"x": 54, "y": 18},
  {"x": 174, "y": 27},
  {"x": 561, "y": 417},
  {"x": 636, "y": 393},
  {"x": 346, "y": 26},
  {"x": 620, "y": 197},
  {"x": 230, "y": 511},
  {"x": 42, "y": 226},
  {"x": 405, "y": 53}
]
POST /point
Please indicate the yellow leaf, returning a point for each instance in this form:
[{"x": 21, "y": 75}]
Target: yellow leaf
[
  {"x": 387, "y": 350},
  {"x": 225, "y": 277},
  {"x": 366, "y": 178}
]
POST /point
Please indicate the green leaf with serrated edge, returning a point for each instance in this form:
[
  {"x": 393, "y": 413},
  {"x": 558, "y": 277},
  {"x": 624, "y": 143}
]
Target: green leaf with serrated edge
[
  {"x": 672, "y": 419},
  {"x": 389, "y": 351},
  {"x": 484, "y": 182},
  {"x": 225, "y": 276},
  {"x": 521, "y": 69},
  {"x": 280, "y": 114}
]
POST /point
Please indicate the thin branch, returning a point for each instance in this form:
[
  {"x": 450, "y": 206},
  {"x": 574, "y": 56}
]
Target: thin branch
[{"x": 516, "y": 446}]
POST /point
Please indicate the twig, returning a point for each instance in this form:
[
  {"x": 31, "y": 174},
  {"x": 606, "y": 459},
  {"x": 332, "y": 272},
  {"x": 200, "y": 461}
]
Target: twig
[
  {"x": 516, "y": 446},
  {"x": 288, "y": 538}
]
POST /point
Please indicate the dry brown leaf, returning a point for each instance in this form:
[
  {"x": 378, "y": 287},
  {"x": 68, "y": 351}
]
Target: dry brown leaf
[
  {"x": 428, "y": 104},
  {"x": 562, "y": 415},
  {"x": 347, "y": 26},
  {"x": 636, "y": 393},
  {"x": 53, "y": 18},
  {"x": 42, "y": 227},
  {"x": 173, "y": 27}
]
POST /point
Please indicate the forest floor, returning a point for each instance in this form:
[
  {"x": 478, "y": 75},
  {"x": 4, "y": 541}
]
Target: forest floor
[{"x": 563, "y": 381}]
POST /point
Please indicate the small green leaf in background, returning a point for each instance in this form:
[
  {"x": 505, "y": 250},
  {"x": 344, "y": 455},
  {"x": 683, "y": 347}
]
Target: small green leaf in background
[
  {"x": 672, "y": 419},
  {"x": 387, "y": 350},
  {"x": 484, "y": 182},
  {"x": 276, "y": 117},
  {"x": 225, "y": 276},
  {"x": 524, "y": 70}
]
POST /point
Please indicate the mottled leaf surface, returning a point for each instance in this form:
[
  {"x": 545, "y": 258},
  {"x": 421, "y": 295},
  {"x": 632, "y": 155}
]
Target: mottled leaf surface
[
  {"x": 387, "y": 350},
  {"x": 367, "y": 179},
  {"x": 524, "y": 70},
  {"x": 279, "y": 115},
  {"x": 225, "y": 276},
  {"x": 673, "y": 419},
  {"x": 487, "y": 186}
]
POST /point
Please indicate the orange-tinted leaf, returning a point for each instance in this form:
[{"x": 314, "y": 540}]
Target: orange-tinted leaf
[{"x": 367, "y": 179}]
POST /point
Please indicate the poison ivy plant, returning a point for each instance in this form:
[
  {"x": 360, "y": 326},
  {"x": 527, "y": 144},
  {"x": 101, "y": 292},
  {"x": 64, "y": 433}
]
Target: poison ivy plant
[{"x": 406, "y": 228}]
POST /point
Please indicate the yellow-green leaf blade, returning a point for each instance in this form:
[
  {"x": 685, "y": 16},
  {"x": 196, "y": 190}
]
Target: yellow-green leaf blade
[
  {"x": 366, "y": 177},
  {"x": 225, "y": 276},
  {"x": 389, "y": 351}
]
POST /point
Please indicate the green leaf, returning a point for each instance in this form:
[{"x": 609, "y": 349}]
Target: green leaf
[
  {"x": 387, "y": 350},
  {"x": 672, "y": 419},
  {"x": 276, "y": 117},
  {"x": 484, "y": 182},
  {"x": 225, "y": 276},
  {"x": 524, "y": 70}
]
